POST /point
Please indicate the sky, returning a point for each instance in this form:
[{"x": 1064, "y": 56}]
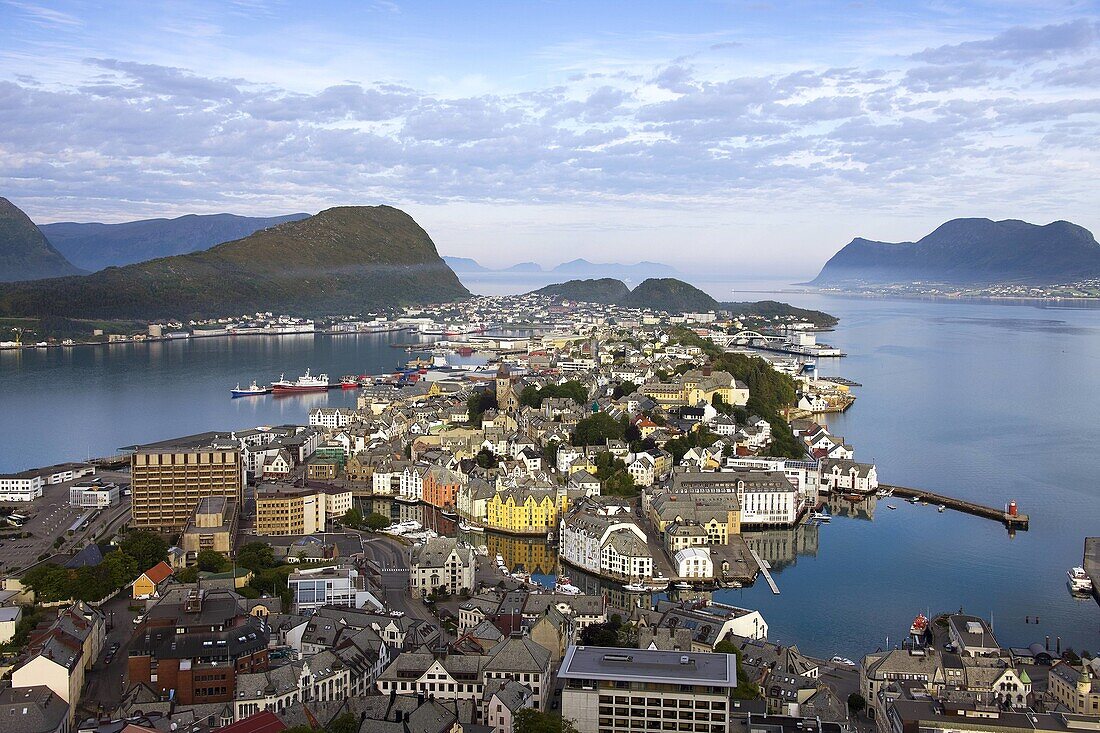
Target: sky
[{"x": 750, "y": 138}]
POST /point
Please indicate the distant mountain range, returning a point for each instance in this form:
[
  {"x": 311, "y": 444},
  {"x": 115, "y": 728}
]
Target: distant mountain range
[
  {"x": 93, "y": 246},
  {"x": 971, "y": 252},
  {"x": 25, "y": 253},
  {"x": 672, "y": 296},
  {"x": 343, "y": 260},
  {"x": 579, "y": 268}
]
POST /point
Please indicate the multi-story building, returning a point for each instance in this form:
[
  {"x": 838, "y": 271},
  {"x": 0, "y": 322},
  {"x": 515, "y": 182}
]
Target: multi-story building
[
  {"x": 1075, "y": 687},
  {"x": 441, "y": 486},
  {"x": 282, "y": 509},
  {"x": 603, "y": 538},
  {"x": 28, "y": 485},
  {"x": 94, "y": 494},
  {"x": 33, "y": 710},
  {"x": 329, "y": 586},
  {"x": 441, "y": 563},
  {"x": 169, "y": 483},
  {"x": 213, "y": 526},
  {"x": 616, "y": 690},
  {"x": 194, "y": 643}
]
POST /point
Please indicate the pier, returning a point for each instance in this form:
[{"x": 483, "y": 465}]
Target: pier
[
  {"x": 1011, "y": 520},
  {"x": 764, "y": 570},
  {"x": 1091, "y": 563}
]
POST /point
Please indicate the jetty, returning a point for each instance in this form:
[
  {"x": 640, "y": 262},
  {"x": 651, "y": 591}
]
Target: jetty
[
  {"x": 765, "y": 571},
  {"x": 1091, "y": 563},
  {"x": 1009, "y": 517}
]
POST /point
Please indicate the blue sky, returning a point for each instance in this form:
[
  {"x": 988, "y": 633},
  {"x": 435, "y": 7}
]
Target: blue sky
[{"x": 757, "y": 137}]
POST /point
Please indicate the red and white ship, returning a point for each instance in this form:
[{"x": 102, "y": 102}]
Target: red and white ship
[
  {"x": 304, "y": 383},
  {"x": 920, "y": 626}
]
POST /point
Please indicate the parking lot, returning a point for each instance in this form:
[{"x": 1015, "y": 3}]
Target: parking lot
[{"x": 50, "y": 518}]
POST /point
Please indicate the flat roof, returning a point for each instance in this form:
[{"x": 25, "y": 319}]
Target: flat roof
[{"x": 648, "y": 665}]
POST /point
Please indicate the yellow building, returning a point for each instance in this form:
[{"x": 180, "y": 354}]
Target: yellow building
[
  {"x": 718, "y": 515},
  {"x": 212, "y": 527},
  {"x": 522, "y": 511},
  {"x": 168, "y": 484}
]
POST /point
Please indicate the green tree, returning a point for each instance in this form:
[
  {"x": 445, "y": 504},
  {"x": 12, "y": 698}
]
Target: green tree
[
  {"x": 486, "y": 458},
  {"x": 49, "y": 582},
  {"x": 346, "y": 723},
  {"x": 622, "y": 389},
  {"x": 376, "y": 521},
  {"x": 147, "y": 548},
  {"x": 598, "y": 429},
  {"x": 256, "y": 556},
  {"x": 530, "y": 720},
  {"x": 478, "y": 402},
  {"x": 856, "y": 703},
  {"x": 188, "y": 575},
  {"x": 121, "y": 568},
  {"x": 211, "y": 561},
  {"x": 746, "y": 689},
  {"x": 620, "y": 483},
  {"x": 353, "y": 518},
  {"x": 604, "y": 634}
]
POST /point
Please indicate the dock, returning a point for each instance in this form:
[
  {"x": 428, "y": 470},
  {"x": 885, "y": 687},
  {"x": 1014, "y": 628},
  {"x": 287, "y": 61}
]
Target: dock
[
  {"x": 765, "y": 571},
  {"x": 1009, "y": 519},
  {"x": 1091, "y": 563}
]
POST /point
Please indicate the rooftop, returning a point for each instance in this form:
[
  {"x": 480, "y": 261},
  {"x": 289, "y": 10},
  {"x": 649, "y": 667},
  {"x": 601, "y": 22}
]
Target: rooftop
[{"x": 648, "y": 665}]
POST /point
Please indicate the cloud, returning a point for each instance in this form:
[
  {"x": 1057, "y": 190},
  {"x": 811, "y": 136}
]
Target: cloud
[{"x": 1019, "y": 44}]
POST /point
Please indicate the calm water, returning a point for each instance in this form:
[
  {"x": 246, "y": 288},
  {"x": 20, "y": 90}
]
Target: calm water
[{"x": 984, "y": 401}]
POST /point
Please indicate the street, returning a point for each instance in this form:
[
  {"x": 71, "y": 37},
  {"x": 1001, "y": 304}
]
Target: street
[
  {"x": 389, "y": 563},
  {"x": 104, "y": 683}
]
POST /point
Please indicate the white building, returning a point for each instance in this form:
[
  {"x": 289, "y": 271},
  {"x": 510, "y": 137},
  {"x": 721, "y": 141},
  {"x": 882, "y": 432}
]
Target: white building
[
  {"x": 336, "y": 586},
  {"x": 95, "y": 494},
  {"x": 441, "y": 563},
  {"x": 694, "y": 562},
  {"x": 605, "y": 540}
]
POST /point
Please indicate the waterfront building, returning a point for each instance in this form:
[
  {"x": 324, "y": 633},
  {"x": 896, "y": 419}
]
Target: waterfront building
[
  {"x": 441, "y": 563},
  {"x": 971, "y": 635},
  {"x": 28, "y": 485},
  {"x": 213, "y": 526},
  {"x": 1076, "y": 687},
  {"x": 168, "y": 483},
  {"x": 617, "y": 690},
  {"x": 282, "y": 509},
  {"x": 603, "y": 538},
  {"x": 843, "y": 474},
  {"x": 441, "y": 486}
]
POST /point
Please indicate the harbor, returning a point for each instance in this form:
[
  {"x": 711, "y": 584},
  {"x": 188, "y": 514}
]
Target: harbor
[{"x": 1009, "y": 516}]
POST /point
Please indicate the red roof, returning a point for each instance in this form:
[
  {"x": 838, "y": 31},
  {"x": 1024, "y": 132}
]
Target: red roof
[
  {"x": 158, "y": 572},
  {"x": 264, "y": 721}
]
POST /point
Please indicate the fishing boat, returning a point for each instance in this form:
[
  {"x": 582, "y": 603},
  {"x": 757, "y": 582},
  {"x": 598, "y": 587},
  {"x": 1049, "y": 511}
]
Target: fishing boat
[
  {"x": 634, "y": 588},
  {"x": 463, "y": 526},
  {"x": 891, "y": 506},
  {"x": 349, "y": 381},
  {"x": 249, "y": 391},
  {"x": 914, "y": 500},
  {"x": 449, "y": 513},
  {"x": 941, "y": 508},
  {"x": 305, "y": 383},
  {"x": 684, "y": 585},
  {"x": 1079, "y": 580}
]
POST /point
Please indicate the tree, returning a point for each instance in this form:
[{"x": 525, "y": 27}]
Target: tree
[
  {"x": 121, "y": 568},
  {"x": 622, "y": 389},
  {"x": 486, "y": 458},
  {"x": 598, "y": 429},
  {"x": 353, "y": 518},
  {"x": 376, "y": 521},
  {"x": 147, "y": 548},
  {"x": 188, "y": 575},
  {"x": 49, "y": 583},
  {"x": 746, "y": 689},
  {"x": 530, "y": 720},
  {"x": 256, "y": 556},
  {"x": 856, "y": 703},
  {"x": 605, "y": 634},
  {"x": 478, "y": 402},
  {"x": 620, "y": 483},
  {"x": 211, "y": 561},
  {"x": 346, "y": 723}
]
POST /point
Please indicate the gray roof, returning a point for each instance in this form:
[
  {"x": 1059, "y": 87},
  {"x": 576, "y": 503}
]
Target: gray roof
[
  {"x": 518, "y": 654},
  {"x": 32, "y": 710},
  {"x": 648, "y": 665}
]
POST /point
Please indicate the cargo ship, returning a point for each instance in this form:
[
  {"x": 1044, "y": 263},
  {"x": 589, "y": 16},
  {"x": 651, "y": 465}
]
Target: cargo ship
[{"x": 304, "y": 383}]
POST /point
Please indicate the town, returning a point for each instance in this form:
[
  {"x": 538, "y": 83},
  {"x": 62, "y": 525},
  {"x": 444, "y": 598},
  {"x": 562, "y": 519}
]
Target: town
[{"x": 530, "y": 539}]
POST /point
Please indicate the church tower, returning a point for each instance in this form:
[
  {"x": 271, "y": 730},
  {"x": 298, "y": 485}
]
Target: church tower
[{"x": 505, "y": 396}]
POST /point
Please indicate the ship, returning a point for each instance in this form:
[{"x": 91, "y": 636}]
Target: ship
[
  {"x": 349, "y": 381},
  {"x": 920, "y": 626},
  {"x": 249, "y": 391},
  {"x": 304, "y": 383},
  {"x": 634, "y": 588},
  {"x": 1079, "y": 580}
]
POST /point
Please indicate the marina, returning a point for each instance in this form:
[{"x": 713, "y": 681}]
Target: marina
[{"x": 1009, "y": 516}]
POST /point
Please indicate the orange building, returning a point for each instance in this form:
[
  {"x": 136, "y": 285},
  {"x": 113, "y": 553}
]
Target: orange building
[{"x": 440, "y": 486}]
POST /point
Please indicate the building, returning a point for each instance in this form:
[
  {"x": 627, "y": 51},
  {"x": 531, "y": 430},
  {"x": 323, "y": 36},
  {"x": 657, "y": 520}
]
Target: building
[
  {"x": 168, "y": 483},
  {"x": 213, "y": 526},
  {"x": 59, "y": 656},
  {"x": 606, "y": 540},
  {"x": 282, "y": 509},
  {"x": 1075, "y": 687},
  {"x": 971, "y": 635},
  {"x": 28, "y": 485},
  {"x": 617, "y": 690},
  {"x": 194, "y": 642},
  {"x": 331, "y": 586},
  {"x": 33, "y": 710},
  {"x": 441, "y": 563},
  {"x": 150, "y": 583},
  {"x": 94, "y": 494},
  {"x": 9, "y": 620}
]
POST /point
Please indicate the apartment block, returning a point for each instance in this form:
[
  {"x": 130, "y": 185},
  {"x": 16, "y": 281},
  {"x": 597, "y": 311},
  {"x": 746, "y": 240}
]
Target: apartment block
[{"x": 168, "y": 484}]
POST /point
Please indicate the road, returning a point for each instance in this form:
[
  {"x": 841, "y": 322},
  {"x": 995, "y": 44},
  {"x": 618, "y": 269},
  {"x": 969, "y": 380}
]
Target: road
[
  {"x": 104, "y": 683},
  {"x": 391, "y": 560}
]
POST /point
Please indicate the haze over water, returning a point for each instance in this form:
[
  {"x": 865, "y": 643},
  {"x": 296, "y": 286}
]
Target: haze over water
[{"x": 983, "y": 401}]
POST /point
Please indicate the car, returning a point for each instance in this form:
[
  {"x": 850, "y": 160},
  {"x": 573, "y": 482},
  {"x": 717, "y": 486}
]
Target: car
[
  {"x": 109, "y": 658},
  {"x": 114, "y": 647},
  {"x": 139, "y": 618}
]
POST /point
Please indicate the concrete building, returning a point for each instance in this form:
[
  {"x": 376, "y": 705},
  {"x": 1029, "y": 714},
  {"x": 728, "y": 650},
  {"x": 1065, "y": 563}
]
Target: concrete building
[
  {"x": 94, "y": 494},
  {"x": 331, "y": 586},
  {"x": 213, "y": 526},
  {"x": 616, "y": 690},
  {"x": 169, "y": 483}
]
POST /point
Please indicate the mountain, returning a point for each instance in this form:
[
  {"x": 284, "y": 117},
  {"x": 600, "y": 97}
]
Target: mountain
[
  {"x": 464, "y": 264},
  {"x": 342, "y": 260},
  {"x": 971, "y": 251},
  {"x": 524, "y": 267},
  {"x": 94, "y": 246},
  {"x": 25, "y": 253},
  {"x": 773, "y": 308},
  {"x": 606, "y": 290},
  {"x": 669, "y": 294},
  {"x": 582, "y": 267}
]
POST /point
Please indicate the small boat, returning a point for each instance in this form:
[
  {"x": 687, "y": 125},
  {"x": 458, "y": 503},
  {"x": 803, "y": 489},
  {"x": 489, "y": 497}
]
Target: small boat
[
  {"x": 634, "y": 588},
  {"x": 349, "y": 381},
  {"x": 854, "y": 498},
  {"x": 823, "y": 516},
  {"x": 449, "y": 513},
  {"x": 249, "y": 391},
  {"x": 920, "y": 626},
  {"x": 684, "y": 585},
  {"x": 914, "y": 500},
  {"x": 1079, "y": 580},
  {"x": 941, "y": 508},
  {"x": 470, "y": 527},
  {"x": 891, "y": 506},
  {"x": 566, "y": 588},
  {"x": 843, "y": 661}
]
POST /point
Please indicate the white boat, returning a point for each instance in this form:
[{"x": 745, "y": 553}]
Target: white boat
[
  {"x": 634, "y": 588},
  {"x": 684, "y": 585},
  {"x": 843, "y": 660},
  {"x": 914, "y": 500},
  {"x": 941, "y": 508},
  {"x": 304, "y": 383},
  {"x": 821, "y": 516},
  {"x": 250, "y": 390},
  {"x": 567, "y": 589},
  {"x": 1079, "y": 580}
]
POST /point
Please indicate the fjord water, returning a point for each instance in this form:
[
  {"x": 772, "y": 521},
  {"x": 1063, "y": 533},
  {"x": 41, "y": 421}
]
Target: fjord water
[{"x": 984, "y": 401}]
